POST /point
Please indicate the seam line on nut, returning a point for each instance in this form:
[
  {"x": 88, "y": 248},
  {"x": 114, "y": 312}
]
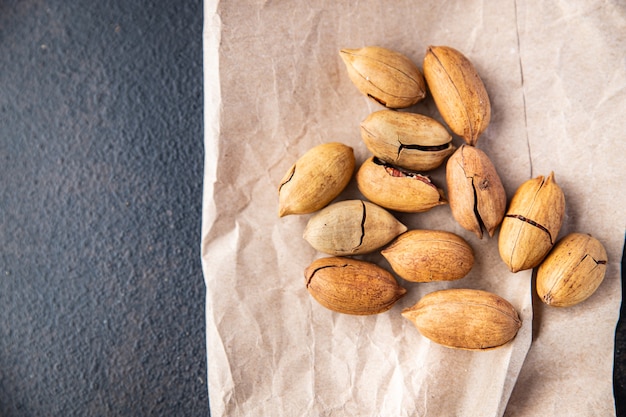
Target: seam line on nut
[{"x": 465, "y": 110}]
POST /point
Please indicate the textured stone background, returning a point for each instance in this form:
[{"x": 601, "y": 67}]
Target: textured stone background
[
  {"x": 101, "y": 157},
  {"x": 101, "y": 291}
]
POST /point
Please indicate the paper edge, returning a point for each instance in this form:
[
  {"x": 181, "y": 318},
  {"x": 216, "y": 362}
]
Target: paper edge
[
  {"x": 211, "y": 37},
  {"x": 520, "y": 354}
]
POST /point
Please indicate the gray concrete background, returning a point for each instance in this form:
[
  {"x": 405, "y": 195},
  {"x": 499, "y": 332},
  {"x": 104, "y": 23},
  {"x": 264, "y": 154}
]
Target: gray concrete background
[
  {"x": 101, "y": 156},
  {"x": 101, "y": 290}
]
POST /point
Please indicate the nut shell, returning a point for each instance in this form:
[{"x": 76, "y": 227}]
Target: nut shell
[
  {"x": 350, "y": 286},
  {"x": 386, "y": 76},
  {"x": 532, "y": 223},
  {"x": 458, "y": 92},
  {"x": 465, "y": 319},
  {"x": 397, "y": 189},
  {"x": 352, "y": 227},
  {"x": 429, "y": 255},
  {"x": 572, "y": 271},
  {"x": 315, "y": 179},
  {"x": 475, "y": 192},
  {"x": 408, "y": 140}
]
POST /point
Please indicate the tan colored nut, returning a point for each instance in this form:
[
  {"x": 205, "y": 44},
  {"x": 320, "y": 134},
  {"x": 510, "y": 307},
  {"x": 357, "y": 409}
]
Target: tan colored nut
[
  {"x": 572, "y": 271},
  {"x": 477, "y": 197},
  {"x": 386, "y": 76},
  {"x": 350, "y": 286},
  {"x": 465, "y": 319},
  {"x": 429, "y": 255},
  {"x": 458, "y": 92},
  {"x": 397, "y": 189},
  {"x": 408, "y": 140},
  {"x": 352, "y": 227},
  {"x": 532, "y": 223},
  {"x": 315, "y": 179}
]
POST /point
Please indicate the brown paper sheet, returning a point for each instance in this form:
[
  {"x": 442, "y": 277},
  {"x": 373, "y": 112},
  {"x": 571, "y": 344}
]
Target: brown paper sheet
[{"x": 275, "y": 86}]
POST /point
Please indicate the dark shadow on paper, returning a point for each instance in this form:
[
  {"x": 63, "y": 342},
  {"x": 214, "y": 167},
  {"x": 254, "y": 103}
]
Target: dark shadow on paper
[{"x": 619, "y": 361}]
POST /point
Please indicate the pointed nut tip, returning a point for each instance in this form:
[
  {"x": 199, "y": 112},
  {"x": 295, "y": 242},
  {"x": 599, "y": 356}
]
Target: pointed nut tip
[{"x": 478, "y": 232}]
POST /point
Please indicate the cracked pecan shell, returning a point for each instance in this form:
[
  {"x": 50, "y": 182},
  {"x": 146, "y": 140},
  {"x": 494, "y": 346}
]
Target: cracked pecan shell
[
  {"x": 397, "y": 189},
  {"x": 572, "y": 271},
  {"x": 350, "y": 286},
  {"x": 475, "y": 192},
  {"x": 532, "y": 223},
  {"x": 351, "y": 227},
  {"x": 315, "y": 179},
  {"x": 408, "y": 140}
]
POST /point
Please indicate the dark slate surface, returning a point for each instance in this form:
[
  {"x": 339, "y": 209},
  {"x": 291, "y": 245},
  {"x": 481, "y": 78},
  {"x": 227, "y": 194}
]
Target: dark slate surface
[
  {"x": 619, "y": 368},
  {"x": 101, "y": 157},
  {"x": 101, "y": 291}
]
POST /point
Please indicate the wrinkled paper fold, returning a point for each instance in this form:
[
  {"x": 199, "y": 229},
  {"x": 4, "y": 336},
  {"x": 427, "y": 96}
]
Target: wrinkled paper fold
[{"x": 275, "y": 86}]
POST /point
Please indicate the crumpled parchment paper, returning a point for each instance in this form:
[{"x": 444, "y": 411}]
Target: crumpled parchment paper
[{"x": 275, "y": 86}]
